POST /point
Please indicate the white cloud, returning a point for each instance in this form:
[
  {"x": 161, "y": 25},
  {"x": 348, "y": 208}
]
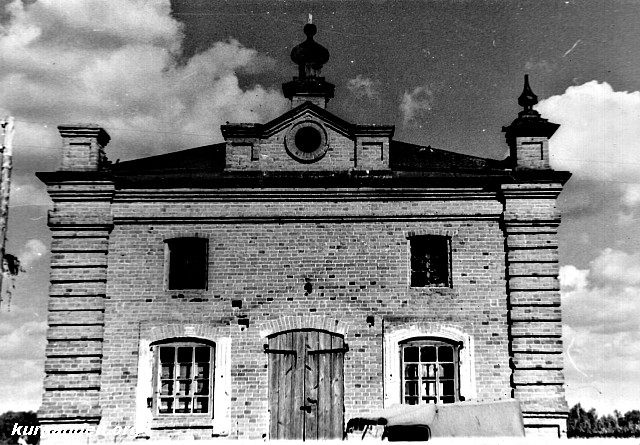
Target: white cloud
[
  {"x": 21, "y": 385},
  {"x": 33, "y": 250},
  {"x": 416, "y": 104},
  {"x": 602, "y": 330},
  {"x": 573, "y": 278},
  {"x": 116, "y": 63},
  {"x": 27, "y": 341},
  {"x": 628, "y": 213},
  {"x": 361, "y": 86},
  {"x": 599, "y": 133},
  {"x": 22, "y": 364},
  {"x": 28, "y": 191},
  {"x": 631, "y": 195},
  {"x": 616, "y": 267}
]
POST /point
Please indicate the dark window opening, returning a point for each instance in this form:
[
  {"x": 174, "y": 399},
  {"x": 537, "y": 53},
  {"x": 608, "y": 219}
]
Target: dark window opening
[
  {"x": 430, "y": 261},
  {"x": 187, "y": 263},
  {"x": 308, "y": 139},
  {"x": 430, "y": 372}
]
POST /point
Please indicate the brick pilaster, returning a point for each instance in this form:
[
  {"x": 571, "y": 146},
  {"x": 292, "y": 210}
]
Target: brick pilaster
[
  {"x": 531, "y": 221},
  {"x": 80, "y": 222}
]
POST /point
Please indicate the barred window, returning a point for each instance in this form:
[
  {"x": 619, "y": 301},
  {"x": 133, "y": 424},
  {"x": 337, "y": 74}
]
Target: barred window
[
  {"x": 430, "y": 261},
  {"x": 187, "y": 263},
  {"x": 184, "y": 378},
  {"x": 430, "y": 372}
]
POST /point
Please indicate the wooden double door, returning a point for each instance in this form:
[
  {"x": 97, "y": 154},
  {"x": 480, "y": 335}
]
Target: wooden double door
[{"x": 306, "y": 385}]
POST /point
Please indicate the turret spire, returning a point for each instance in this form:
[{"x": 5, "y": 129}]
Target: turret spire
[
  {"x": 527, "y": 99},
  {"x": 528, "y": 135},
  {"x": 310, "y": 57}
]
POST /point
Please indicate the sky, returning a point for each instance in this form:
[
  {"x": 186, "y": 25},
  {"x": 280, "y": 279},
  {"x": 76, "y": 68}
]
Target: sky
[{"x": 163, "y": 75}]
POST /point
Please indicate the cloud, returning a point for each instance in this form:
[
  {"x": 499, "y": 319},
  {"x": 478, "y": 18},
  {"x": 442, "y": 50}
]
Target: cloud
[
  {"x": 631, "y": 195},
  {"x": 599, "y": 132},
  {"x": 363, "y": 87},
  {"x": 21, "y": 386},
  {"x": 606, "y": 297},
  {"x": 119, "y": 63},
  {"x": 22, "y": 362},
  {"x": 28, "y": 192},
  {"x": 416, "y": 104},
  {"x": 27, "y": 341},
  {"x": 33, "y": 250},
  {"x": 602, "y": 330}
]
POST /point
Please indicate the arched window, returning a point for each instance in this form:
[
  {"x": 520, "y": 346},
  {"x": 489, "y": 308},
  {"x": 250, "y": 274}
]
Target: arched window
[
  {"x": 183, "y": 381},
  {"x": 430, "y": 371}
]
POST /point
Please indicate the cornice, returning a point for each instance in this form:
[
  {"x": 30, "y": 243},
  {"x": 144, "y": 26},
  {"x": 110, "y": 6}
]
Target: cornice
[
  {"x": 305, "y": 195},
  {"x": 252, "y": 219}
]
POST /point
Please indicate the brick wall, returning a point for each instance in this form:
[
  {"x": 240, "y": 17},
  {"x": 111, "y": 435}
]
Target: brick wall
[{"x": 356, "y": 258}]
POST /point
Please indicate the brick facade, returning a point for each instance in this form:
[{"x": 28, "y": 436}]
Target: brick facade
[{"x": 320, "y": 245}]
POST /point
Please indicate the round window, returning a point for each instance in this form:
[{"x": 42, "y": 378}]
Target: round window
[{"x": 306, "y": 141}]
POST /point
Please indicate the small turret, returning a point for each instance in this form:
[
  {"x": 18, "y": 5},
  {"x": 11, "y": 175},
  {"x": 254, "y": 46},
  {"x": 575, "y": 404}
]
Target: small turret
[
  {"x": 528, "y": 135},
  {"x": 310, "y": 57}
]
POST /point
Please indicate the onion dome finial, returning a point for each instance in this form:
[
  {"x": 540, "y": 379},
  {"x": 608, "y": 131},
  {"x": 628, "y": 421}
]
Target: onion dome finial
[{"x": 309, "y": 55}]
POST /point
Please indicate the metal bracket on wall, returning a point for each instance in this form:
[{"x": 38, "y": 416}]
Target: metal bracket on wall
[
  {"x": 330, "y": 351},
  {"x": 279, "y": 351}
]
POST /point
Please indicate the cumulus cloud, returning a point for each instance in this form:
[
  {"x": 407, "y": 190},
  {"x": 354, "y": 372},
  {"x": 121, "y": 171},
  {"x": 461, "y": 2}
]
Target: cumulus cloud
[
  {"x": 602, "y": 333},
  {"x": 118, "y": 63},
  {"x": 27, "y": 341},
  {"x": 631, "y": 195},
  {"x": 28, "y": 192},
  {"x": 605, "y": 297},
  {"x": 22, "y": 362},
  {"x": 361, "y": 87},
  {"x": 33, "y": 250},
  {"x": 416, "y": 104},
  {"x": 599, "y": 132}
]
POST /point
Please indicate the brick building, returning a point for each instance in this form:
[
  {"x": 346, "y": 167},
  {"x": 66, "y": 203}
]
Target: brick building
[{"x": 306, "y": 271}]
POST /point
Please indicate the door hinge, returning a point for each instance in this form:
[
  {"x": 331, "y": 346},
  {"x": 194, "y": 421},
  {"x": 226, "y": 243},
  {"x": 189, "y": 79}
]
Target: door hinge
[
  {"x": 330, "y": 351},
  {"x": 268, "y": 350},
  {"x": 305, "y": 408}
]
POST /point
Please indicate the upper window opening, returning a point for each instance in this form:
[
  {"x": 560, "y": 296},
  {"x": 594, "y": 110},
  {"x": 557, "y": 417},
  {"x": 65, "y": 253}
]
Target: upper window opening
[
  {"x": 187, "y": 267},
  {"x": 430, "y": 261}
]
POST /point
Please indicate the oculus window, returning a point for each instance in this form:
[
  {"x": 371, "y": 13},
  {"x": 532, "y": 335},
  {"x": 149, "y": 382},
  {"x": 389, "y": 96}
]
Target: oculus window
[
  {"x": 430, "y": 372},
  {"x": 187, "y": 263},
  {"x": 430, "y": 261},
  {"x": 307, "y": 141},
  {"x": 184, "y": 378}
]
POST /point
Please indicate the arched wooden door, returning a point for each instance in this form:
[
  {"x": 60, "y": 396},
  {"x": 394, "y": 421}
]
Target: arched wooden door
[{"x": 306, "y": 385}]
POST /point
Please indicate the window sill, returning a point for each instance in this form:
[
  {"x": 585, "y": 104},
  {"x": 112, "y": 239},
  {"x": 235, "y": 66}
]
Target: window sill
[
  {"x": 182, "y": 421},
  {"x": 447, "y": 289},
  {"x": 217, "y": 427}
]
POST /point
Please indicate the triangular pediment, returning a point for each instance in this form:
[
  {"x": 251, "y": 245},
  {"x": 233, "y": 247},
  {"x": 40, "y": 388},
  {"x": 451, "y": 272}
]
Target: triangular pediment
[
  {"x": 306, "y": 110},
  {"x": 307, "y": 137}
]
